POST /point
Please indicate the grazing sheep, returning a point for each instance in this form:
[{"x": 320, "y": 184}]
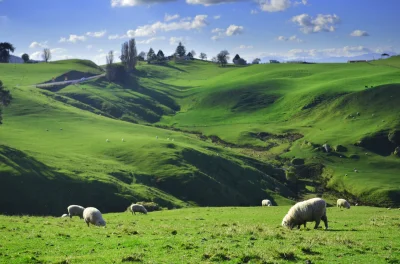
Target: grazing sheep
[
  {"x": 343, "y": 203},
  {"x": 312, "y": 210},
  {"x": 107, "y": 140},
  {"x": 137, "y": 208},
  {"x": 64, "y": 215},
  {"x": 93, "y": 216},
  {"x": 75, "y": 210},
  {"x": 156, "y": 137},
  {"x": 123, "y": 140},
  {"x": 266, "y": 203}
]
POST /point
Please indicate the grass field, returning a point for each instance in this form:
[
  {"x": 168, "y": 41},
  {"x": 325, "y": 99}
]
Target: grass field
[
  {"x": 53, "y": 142},
  {"x": 204, "y": 235}
]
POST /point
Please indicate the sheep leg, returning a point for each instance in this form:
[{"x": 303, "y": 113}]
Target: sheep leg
[
  {"x": 298, "y": 226},
  {"x": 305, "y": 224},
  {"x": 317, "y": 223},
  {"x": 325, "y": 219},
  {"x": 70, "y": 216},
  {"x": 87, "y": 223}
]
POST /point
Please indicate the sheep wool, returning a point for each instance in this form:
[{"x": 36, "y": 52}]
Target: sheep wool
[
  {"x": 343, "y": 203},
  {"x": 93, "y": 216},
  {"x": 64, "y": 215},
  {"x": 266, "y": 203},
  {"x": 75, "y": 210},
  {"x": 138, "y": 208},
  {"x": 312, "y": 210}
]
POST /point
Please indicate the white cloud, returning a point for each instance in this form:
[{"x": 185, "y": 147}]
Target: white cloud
[
  {"x": 234, "y": 30},
  {"x": 100, "y": 50},
  {"x": 359, "y": 33},
  {"x": 122, "y": 3},
  {"x": 35, "y": 45},
  {"x": 254, "y": 11},
  {"x": 245, "y": 47},
  {"x": 293, "y": 38},
  {"x": 168, "y": 17},
  {"x": 150, "y": 40},
  {"x": 217, "y": 17},
  {"x": 274, "y": 5},
  {"x": 198, "y": 22},
  {"x": 73, "y": 39},
  {"x": 321, "y": 23},
  {"x": 97, "y": 34},
  {"x": 217, "y": 30},
  {"x": 36, "y": 55},
  {"x": 117, "y": 36},
  {"x": 89, "y": 47},
  {"x": 230, "y": 31},
  {"x": 209, "y": 2},
  {"x": 176, "y": 40},
  {"x": 57, "y": 51}
]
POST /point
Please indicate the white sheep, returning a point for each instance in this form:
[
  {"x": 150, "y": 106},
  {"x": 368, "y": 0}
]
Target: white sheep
[
  {"x": 122, "y": 140},
  {"x": 107, "y": 140},
  {"x": 312, "y": 210},
  {"x": 156, "y": 137},
  {"x": 75, "y": 210},
  {"x": 266, "y": 203},
  {"x": 93, "y": 216},
  {"x": 343, "y": 203},
  {"x": 64, "y": 215},
  {"x": 137, "y": 208}
]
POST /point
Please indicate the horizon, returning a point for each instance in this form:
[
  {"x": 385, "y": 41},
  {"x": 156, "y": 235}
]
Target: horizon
[{"x": 284, "y": 30}]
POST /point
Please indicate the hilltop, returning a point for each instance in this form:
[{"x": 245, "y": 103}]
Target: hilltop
[{"x": 225, "y": 135}]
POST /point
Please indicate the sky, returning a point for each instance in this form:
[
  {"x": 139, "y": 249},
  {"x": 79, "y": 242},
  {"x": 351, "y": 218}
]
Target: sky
[{"x": 312, "y": 30}]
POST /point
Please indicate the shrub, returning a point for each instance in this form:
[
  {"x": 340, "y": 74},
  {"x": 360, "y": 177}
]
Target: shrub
[
  {"x": 340, "y": 148},
  {"x": 394, "y": 137}
]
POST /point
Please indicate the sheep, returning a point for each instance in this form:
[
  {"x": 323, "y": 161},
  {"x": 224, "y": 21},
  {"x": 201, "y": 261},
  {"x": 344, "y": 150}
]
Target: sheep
[
  {"x": 266, "y": 203},
  {"x": 307, "y": 211},
  {"x": 343, "y": 203},
  {"x": 107, "y": 140},
  {"x": 93, "y": 216},
  {"x": 156, "y": 137},
  {"x": 64, "y": 215},
  {"x": 137, "y": 208},
  {"x": 75, "y": 210},
  {"x": 122, "y": 140}
]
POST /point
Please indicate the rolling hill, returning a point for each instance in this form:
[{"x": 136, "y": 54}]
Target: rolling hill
[{"x": 196, "y": 134}]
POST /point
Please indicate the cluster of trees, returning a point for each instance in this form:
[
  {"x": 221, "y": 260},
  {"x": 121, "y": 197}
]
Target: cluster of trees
[
  {"x": 5, "y": 49},
  {"x": 222, "y": 59},
  {"x": 129, "y": 59}
]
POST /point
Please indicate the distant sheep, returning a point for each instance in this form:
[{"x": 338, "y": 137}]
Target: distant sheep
[
  {"x": 266, "y": 203},
  {"x": 343, "y": 203},
  {"x": 107, "y": 140},
  {"x": 93, "y": 216},
  {"x": 64, "y": 215},
  {"x": 75, "y": 210},
  {"x": 312, "y": 210},
  {"x": 137, "y": 208},
  {"x": 122, "y": 140}
]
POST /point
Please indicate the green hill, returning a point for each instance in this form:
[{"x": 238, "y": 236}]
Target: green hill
[{"x": 229, "y": 132}]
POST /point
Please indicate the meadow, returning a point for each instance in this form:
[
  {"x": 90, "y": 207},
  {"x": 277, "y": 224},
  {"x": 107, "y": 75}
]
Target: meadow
[{"x": 204, "y": 235}]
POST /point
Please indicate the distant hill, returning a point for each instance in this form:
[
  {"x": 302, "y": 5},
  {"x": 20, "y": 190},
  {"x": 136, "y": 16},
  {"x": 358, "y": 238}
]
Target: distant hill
[{"x": 15, "y": 59}]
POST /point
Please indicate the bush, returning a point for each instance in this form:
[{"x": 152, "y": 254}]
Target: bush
[
  {"x": 115, "y": 73},
  {"x": 291, "y": 175},
  {"x": 394, "y": 137},
  {"x": 297, "y": 161},
  {"x": 340, "y": 148},
  {"x": 150, "y": 206}
]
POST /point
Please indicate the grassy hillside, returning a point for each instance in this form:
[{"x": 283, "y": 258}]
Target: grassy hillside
[
  {"x": 53, "y": 148},
  {"x": 230, "y": 131},
  {"x": 204, "y": 235}
]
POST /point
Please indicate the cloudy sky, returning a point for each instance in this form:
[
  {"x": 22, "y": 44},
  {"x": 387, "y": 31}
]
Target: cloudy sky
[{"x": 268, "y": 29}]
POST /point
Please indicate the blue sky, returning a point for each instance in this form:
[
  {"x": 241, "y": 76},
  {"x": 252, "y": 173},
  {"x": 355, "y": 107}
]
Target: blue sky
[{"x": 268, "y": 29}]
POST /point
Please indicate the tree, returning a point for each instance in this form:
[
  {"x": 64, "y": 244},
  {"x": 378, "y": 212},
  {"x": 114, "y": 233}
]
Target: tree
[
  {"x": 151, "y": 55},
  {"x": 5, "y": 49},
  {"x": 46, "y": 54},
  {"x": 190, "y": 55},
  {"x": 256, "y": 61},
  {"x": 193, "y": 53},
  {"x": 241, "y": 61},
  {"x": 110, "y": 57},
  {"x": 129, "y": 55},
  {"x": 214, "y": 59},
  {"x": 160, "y": 56},
  {"x": 141, "y": 56},
  {"x": 237, "y": 57},
  {"x": 203, "y": 56},
  {"x": 223, "y": 57},
  {"x": 25, "y": 57},
  {"x": 5, "y": 98},
  {"x": 180, "y": 50}
]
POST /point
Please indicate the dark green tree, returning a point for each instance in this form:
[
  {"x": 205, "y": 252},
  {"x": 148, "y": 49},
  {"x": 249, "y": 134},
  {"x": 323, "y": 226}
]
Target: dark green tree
[
  {"x": 5, "y": 49},
  {"x": 151, "y": 55},
  {"x": 223, "y": 57},
  {"x": 25, "y": 57},
  {"x": 180, "y": 50},
  {"x": 160, "y": 56},
  {"x": 190, "y": 55},
  {"x": 237, "y": 57},
  {"x": 129, "y": 55}
]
